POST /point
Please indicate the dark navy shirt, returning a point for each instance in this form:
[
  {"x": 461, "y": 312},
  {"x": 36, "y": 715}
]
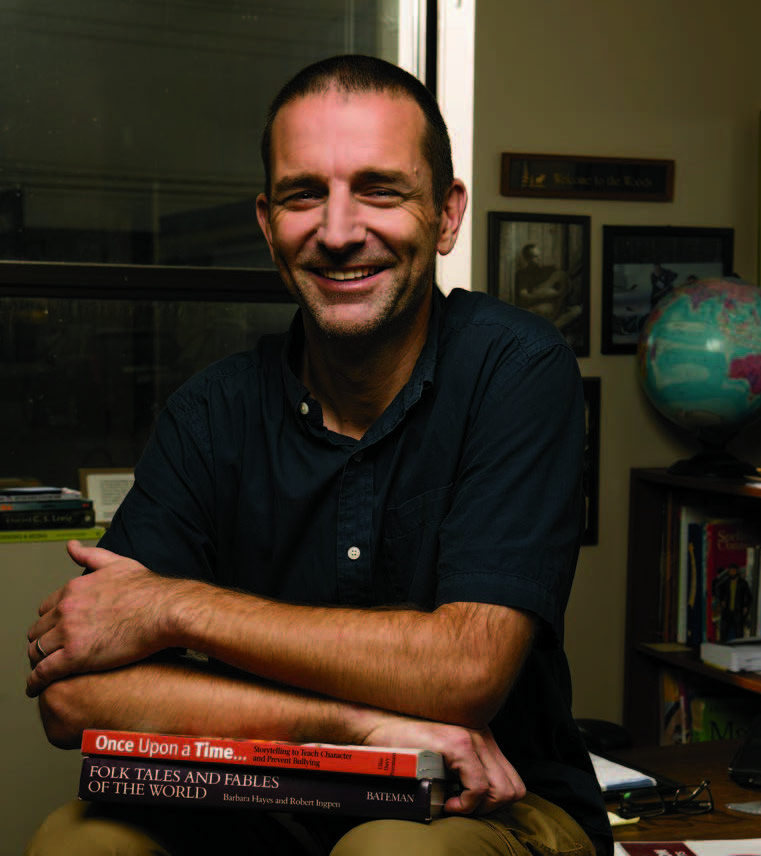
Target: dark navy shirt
[{"x": 467, "y": 488}]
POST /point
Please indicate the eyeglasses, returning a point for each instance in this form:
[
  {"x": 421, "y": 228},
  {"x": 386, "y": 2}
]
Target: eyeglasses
[{"x": 649, "y": 802}]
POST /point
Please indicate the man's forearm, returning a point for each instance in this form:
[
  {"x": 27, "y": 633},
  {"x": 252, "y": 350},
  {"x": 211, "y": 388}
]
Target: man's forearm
[
  {"x": 182, "y": 697},
  {"x": 455, "y": 664}
]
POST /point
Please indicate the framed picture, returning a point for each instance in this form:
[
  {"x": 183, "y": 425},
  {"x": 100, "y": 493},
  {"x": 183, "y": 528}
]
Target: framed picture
[
  {"x": 585, "y": 177},
  {"x": 540, "y": 262},
  {"x": 641, "y": 264},
  {"x": 106, "y": 488},
  {"x": 591, "y": 476}
]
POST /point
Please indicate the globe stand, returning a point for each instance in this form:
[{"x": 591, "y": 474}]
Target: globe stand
[{"x": 713, "y": 462}]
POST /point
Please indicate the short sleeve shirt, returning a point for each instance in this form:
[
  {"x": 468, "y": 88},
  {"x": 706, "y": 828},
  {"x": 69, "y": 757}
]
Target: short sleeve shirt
[{"x": 467, "y": 488}]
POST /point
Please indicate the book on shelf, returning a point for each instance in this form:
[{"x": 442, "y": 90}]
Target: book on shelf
[
  {"x": 727, "y": 591},
  {"x": 38, "y": 493},
  {"x": 710, "y": 576},
  {"x": 675, "y": 713},
  {"x": 251, "y": 752},
  {"x": 737, "y": 656},
  {"x": 149, "y": 782},
  {"x": 47, "y": 518},
  {"x": 721, "y": 717},
  {"x": 92, "y": 533}
]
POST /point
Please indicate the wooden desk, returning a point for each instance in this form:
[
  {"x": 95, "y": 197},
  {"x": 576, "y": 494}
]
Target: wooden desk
[{"x": 691, "y": 764}]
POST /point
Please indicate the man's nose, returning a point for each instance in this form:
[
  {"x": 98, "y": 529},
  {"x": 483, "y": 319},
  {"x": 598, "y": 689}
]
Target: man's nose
[{"x": 342, "y": 227}]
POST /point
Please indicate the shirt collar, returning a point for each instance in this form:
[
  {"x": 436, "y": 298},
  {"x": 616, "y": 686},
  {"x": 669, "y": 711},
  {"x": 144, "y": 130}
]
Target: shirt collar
[{"x": 422, "y": 376}]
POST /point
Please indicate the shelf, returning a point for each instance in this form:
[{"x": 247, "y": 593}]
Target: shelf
[
  {"x": 652, "y": 592},
  {"x": 689, "y": 661}
]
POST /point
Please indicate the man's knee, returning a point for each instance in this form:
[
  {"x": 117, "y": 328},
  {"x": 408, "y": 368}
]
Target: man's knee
[
  {"x": 78, "y": 828},
  {"x": 450, "y": 836}
]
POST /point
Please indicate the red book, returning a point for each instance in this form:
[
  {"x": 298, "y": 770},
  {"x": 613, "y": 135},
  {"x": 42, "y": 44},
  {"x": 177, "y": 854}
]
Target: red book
[
  {"x": 726, "y": 590},
  {"x": 318, "y": 757}
]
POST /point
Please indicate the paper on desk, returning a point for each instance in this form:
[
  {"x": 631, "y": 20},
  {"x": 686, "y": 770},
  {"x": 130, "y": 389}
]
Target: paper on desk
[
  {"x": 727, "y": 847},
  {"x": 613, "y": 776}
]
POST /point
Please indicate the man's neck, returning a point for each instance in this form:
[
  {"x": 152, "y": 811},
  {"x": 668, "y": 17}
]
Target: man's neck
[{"x": 356, "y": 380}]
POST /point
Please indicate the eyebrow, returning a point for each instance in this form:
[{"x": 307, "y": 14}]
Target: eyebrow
[{"x": 372, "y": 175}]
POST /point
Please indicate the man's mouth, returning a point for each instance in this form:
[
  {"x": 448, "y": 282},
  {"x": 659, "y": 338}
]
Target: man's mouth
[{"x": 349, "y": 275}]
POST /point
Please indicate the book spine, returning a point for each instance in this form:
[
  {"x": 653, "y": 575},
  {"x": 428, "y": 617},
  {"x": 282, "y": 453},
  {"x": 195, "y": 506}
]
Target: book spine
[
  {"x": 14, "y": 535},
  {"x": 45, "y": 505},
  {"x": 694, "y": 587},
  {"x": 140, "y": 782},
  {"x": 359, "y": 760},
  {"x": 47, "y": 519}
]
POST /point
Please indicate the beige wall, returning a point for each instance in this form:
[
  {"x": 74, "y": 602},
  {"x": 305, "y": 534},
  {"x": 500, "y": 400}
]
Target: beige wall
[{"x": 656, "y": 78}]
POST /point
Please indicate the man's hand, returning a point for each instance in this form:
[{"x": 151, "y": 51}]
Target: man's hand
[
  {"x": 488, "y": 779},
  {"x": 105, "y": 619}
]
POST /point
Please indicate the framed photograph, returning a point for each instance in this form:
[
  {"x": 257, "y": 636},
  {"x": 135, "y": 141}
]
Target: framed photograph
[
  {"x": 591, "y": 476},
  {"x": 106, "y": 488},
  {"x": 641, "y": 264},
  {"x": 540, "y": 262}
]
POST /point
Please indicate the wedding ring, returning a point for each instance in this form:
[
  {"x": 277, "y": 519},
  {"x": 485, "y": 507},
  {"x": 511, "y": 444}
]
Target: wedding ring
[{"x": 40, "y": 650}]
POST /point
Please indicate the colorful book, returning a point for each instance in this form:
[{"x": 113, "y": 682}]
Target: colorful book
[
  {"x": 675, "y": 713},
  {"x": 721, "y": 717},
  {"x": 694, "y": 594},
  {"x": 726, "y": 589},
  {"x": 143, "y": 782},
  {"x": 318, "y": 757}
]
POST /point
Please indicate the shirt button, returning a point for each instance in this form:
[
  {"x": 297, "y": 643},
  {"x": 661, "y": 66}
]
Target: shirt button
[
  {"x": 353, "y": 553},
  {"x": 359, "y": 456},
  {"x": 303, "y": 408}
]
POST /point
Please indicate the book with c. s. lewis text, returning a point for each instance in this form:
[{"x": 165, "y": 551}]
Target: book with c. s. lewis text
[
  {"x": 138, "y": 781},
  {"x": 316, "y": 757},
  {"x": 79, "y": 516}
]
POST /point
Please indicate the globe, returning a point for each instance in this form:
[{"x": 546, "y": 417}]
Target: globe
[{"x": 699, "y": 360}]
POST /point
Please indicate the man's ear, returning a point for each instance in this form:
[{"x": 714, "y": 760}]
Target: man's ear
[
  {"x": 263, "y": 216},
  {"x": 455, "y": 203}
]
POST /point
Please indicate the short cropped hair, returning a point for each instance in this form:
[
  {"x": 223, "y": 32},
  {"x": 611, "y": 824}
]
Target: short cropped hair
[{"x": 355, "y": 73}]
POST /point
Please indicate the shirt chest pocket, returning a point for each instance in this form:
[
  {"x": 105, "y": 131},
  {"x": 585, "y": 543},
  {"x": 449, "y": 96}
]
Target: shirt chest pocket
[{"x": 410, "y": 545}]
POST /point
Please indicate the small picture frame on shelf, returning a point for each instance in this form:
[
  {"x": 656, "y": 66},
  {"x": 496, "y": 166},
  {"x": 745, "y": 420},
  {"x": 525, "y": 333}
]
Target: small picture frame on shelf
[
  {"x": 641, "y": 264},
  {"x": 106, "y": 488},
  {"x": 540, "y": 262},
  {"x": 591, "y": 476}
]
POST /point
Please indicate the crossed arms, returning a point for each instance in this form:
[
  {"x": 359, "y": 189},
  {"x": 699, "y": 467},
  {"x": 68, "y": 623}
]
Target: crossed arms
[{"x": 380, "y": 677}]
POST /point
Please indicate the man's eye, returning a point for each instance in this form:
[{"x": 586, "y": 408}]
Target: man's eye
[
  {"x": 302, "y": 197},
  {"x": 382, "y": 193}
]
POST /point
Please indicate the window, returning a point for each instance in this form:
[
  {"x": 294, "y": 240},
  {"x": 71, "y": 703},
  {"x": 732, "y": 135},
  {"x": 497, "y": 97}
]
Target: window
[{"x": 130, "y": 256}]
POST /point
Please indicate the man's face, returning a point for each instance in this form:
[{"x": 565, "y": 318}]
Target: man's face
[{"x": 351, "y": 223}]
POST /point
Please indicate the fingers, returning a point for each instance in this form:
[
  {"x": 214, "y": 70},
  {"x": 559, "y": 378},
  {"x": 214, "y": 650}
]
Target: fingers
[
  {"x": 487, "y": 777},
  {"x": 93, "y": 558}
]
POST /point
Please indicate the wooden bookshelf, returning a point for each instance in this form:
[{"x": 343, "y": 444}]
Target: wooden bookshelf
[{"x": 652, "y": 492}]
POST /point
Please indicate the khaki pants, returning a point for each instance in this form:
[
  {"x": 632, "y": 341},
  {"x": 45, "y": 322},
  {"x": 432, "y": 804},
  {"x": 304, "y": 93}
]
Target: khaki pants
[{"x": 529, "y": 827}]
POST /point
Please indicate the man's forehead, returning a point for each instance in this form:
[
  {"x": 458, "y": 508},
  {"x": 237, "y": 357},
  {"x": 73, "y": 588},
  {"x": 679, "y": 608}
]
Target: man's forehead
[
  {"x": 383, "y": 126},
  {"x": 337, "y": 98}
]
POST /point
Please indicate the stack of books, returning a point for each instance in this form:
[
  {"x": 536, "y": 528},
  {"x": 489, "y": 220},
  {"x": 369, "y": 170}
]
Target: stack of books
[
  {"x": 45, "y": 513},
  {"x": 169, "y": 769}
]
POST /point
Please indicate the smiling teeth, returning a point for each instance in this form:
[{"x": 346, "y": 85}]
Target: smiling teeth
[{"x": 344, "y": 275}]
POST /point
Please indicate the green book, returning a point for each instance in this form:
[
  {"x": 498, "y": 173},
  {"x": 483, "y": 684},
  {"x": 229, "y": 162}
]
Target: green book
[{"x": 93, "y": 533}]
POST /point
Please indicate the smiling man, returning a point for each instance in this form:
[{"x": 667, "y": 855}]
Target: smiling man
[{"x": 369, "y": 525}]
